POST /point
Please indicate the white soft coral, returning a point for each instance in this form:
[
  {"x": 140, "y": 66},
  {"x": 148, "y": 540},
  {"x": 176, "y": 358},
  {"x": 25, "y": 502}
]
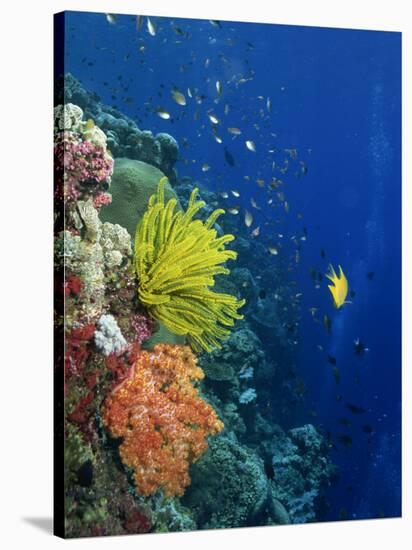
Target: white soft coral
[{"x": 108, "y": 336}]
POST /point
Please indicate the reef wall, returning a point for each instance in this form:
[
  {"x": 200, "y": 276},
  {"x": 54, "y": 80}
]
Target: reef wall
[{"x": 164, "y": 439}]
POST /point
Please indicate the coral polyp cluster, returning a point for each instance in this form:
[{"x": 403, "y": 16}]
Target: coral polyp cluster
[
  {"x": 83, "y": 165},
  {"x": 162, "y": 419},
  {"x": 177, "y": 259}
]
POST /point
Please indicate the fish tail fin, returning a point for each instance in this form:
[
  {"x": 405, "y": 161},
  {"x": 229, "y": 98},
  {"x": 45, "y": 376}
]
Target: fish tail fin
[{"x": 331, "y": 274}]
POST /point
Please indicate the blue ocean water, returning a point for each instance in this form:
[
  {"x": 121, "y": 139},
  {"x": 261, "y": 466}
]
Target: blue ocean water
[{"x": 334, "y": 97}]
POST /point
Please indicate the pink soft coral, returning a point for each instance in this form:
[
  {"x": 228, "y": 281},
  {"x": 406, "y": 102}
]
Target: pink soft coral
[
  {"x": 82, "y": 167},
  {"x": 142, "y": 326}
]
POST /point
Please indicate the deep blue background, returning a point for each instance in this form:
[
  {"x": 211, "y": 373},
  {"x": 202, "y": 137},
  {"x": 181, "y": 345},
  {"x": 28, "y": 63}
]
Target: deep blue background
[{"x": 335, "y": 98}]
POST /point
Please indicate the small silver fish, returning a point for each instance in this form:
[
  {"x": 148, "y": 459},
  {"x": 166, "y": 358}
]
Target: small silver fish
[
  {"x": 213, "y": 119},
  {"x": 151, "y": 27},
  {"x": 235, "y": 193},
  {"x": 233, "y": 210},
  {"x": 250, "y": 145},
  {"x": 248, "y": 218},
  {"x": 273, "y": 250},
  {"x": 218, "y": 87},
  {"x": 254, "y": 204},
  {"x": 163, "y": 113},
  {"x": 234, "y": 131},
  {"x": 255, "y": 232},
  {"x": 205, "y": 167},
  {"x": 313, "y": 311},
  {"x": 224, "y": 195},
  {"x": 111, "y": 18}
]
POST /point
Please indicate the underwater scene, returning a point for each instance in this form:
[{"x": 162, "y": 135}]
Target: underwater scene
[{"x": 227, "y": 274}]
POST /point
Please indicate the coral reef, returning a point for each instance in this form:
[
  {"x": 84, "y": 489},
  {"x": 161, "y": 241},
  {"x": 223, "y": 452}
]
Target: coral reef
[
  {"x": 83, "y": 165},
  {"x": 108, "y": 337},
  {"x": 90, "y": 259},
  {"x": 161, "y": 419},
  {"x": 142, "y": 327},
  {"x": 266, "y": 313},
  {"x": 98, "y": 499},
  {"x": 170, "y": 515},
  {"x": 138, "y": 413},
  {"x": 247, "y": 396},
  {"x": 67, "y": 117},
  {"x": 124, "y": 138},
  {"x": 242, "y": 350},
  {"x": 229, "y": 486},
  {"x": 301, "y": 470},
  {"x": 177, "y": 259},
  {"x": 231, "y": 378},
  {"x": 133, "y": 183}
]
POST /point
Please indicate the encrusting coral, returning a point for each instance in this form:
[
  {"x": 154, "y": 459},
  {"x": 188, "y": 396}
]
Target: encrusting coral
[
  {"x": 161, "y": 418},
  {"x": 176, "y": 260}
]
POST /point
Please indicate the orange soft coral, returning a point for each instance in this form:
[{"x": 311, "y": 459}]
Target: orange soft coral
[{"x": 162, "y": 419}]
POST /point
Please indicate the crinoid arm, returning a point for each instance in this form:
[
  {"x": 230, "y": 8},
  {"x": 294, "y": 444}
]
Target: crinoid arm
[{"x": 177, "y": 258}]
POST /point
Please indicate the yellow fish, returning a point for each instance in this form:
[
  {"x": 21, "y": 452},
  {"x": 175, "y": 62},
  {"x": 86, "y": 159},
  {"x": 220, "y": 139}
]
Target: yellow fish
[
  {"x": 339, "y": 289},
  {"x": 90, "y": 124}
]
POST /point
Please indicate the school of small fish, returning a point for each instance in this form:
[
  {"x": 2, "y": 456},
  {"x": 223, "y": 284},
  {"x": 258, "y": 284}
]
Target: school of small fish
[{"x": 209, "y": 105}]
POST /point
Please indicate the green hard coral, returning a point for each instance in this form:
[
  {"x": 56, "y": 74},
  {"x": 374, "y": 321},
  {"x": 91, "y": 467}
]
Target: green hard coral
[{"x": 176, "y": 260}]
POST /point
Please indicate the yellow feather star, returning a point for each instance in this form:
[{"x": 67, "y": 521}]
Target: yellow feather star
[
  {"x": 176, "y": 260},
  {"x": 339, "y": 289}
]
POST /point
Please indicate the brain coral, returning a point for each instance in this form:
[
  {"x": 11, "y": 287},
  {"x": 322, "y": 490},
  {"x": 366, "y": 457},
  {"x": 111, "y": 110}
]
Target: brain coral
[
  {"x": 161, "y": 418},
  {"x": 132, "y": 184}
]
